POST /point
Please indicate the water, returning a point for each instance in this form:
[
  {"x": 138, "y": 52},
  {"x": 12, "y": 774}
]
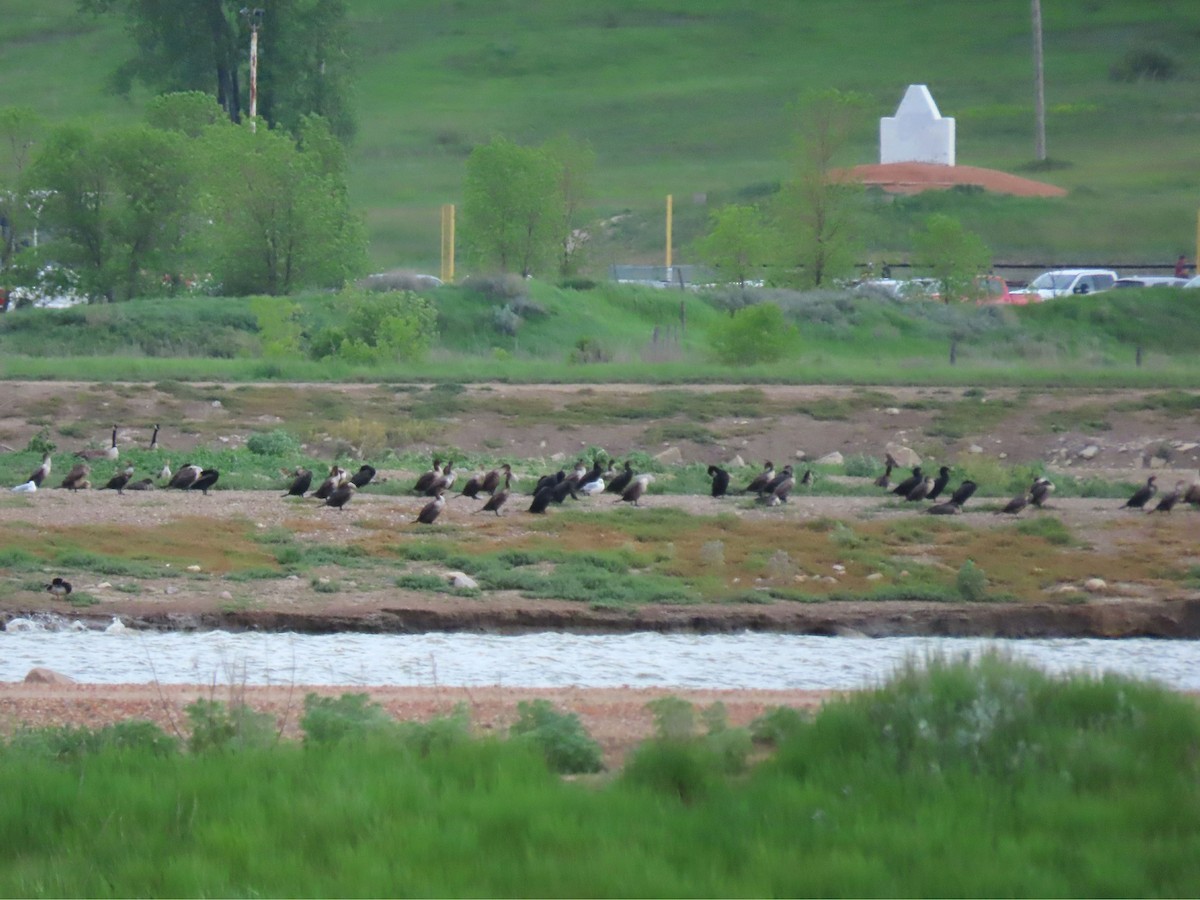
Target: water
[{"x": 749, "y": 660}]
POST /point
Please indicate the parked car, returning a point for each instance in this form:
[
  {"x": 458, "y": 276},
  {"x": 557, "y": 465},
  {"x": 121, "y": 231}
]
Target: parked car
[
  {"x": 995, "y": 291},
  {"x": 57, "y": 288},
  {"x": 1065, "y": 282},
  {"x": 1145, "y": 281}
]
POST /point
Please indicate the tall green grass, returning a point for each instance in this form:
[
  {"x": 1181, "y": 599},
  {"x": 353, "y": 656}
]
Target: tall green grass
[{"x": 956, "y": 779}]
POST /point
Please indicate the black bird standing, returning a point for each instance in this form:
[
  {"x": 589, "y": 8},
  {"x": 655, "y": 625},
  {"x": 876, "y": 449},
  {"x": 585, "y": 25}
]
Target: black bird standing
[
  {"x": 473, "y": 486},
  {"x": 117, "y": 482},
  {"x": 720, "y": 481},
  {"x": 618, "y": 484},
  {"x": 885, "y": 480},
  {"x": 426, "y": 479},
  {"x": 363, "y": 476},
  {"x": 939, "y": 483},
  {"x": 185, "y": 477},
  {"x": 300, "y": 484},
  {"x": 903, "y": 488},
  {"x": 1142, "y": 494},
  {"x": 340, "y": 495},
  {"x": 1167, "y": 501},
  {"x": 1015, "y": 505},
  {"x": 146, "y": 484},
  {"x": 499, "y": 498},
  {"x": 542, "y": 499},
  {"x": 206, "y": 479},
  {"x": 431, "y": 510},
  {"x": 491, "y": 480},
  {"x": 1041, "y": 491},
  {"x": 963, "y": 492},
  {"x": 634, "y": 492}
]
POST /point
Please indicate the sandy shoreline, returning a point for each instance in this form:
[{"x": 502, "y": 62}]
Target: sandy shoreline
[{"x": 616, "y": 717}]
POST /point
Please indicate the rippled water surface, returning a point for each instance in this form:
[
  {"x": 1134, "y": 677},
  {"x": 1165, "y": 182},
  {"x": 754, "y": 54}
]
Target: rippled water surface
[{"x": 750, "y": 660}]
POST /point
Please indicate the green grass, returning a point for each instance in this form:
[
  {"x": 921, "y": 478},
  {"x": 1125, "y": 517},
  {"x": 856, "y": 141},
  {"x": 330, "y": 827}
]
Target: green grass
[
  {"x": 1030, "y": 785},
  {"x": 696, "y": 101}
]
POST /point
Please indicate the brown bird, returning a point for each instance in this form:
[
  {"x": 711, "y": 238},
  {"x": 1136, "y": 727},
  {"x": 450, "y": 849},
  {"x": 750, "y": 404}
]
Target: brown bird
[
  {"x": 1041, "y": 491},
  {"x": 337, "y": 476},
  {"x": 185, "y": 477},
  {"x": 426, "y": 479},
  {"x": 117, "y": 482},
  {"x": 636, "y": 489},
  {"x": 624, "y": 477},
  {"x": 146, "y": 484},
  {"x": 1192, "y": 494},
  {"x": 885, "y": 480},
  {"x": 920, "y": 490},
  {"x": 431, "y": 510},
  {"x": 1015, "y": 505},
  {"x": 491, "y": 481},
  {"x": 301, "y": 482},
  {"x": 762, "y": 479},
  {"x": 473, "y": 486},
  {"x": 1167, "y": 501},
  {"x": 499, "y": 498},
  {"x": 77, "y": 477},
  {"x": 110, "y": 452},
  {"x": 443, "y": 482}
]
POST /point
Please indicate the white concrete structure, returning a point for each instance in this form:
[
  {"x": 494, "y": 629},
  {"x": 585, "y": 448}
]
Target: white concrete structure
[{"x": 917, "y": 133}]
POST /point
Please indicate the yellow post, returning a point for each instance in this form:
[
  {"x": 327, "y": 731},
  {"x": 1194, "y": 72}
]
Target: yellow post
[
  {"x": 668, "y": 235},
  {"x": 448, "y": 243}
]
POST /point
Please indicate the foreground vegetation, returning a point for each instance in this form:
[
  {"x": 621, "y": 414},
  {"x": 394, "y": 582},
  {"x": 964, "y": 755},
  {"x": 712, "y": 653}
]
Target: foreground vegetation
[{"x": 965, "y": 779}]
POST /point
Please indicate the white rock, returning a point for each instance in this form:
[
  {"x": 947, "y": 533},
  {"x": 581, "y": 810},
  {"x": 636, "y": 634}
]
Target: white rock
[
  {"x": 737, "y": 462},
  {"x": 1157, "y": 462},
  {"x": 216, "y": 404},
  {"x": 670, "y": 456},
  {"x": 462, "y": 580},
  {"x": 1089, "y": 452},
  {"x": 892, "y": 410},
  {"x": 831, "y": 459},
  {"x": 905, "y": 457},
  {"x": 193, "y": 568},
  {"x": 1185, "y": 447},
  {"x": 875, "y": 576},
  {"x": 225, "y": 595},
  {"x": 974, "y": 448},
  {"x": 801, "y": 455},
  {"x": 1095, "y": 585},
  {"x": 102, "y": 586},
  {"x": 839, "y": 568},
  {"x": 558, "y": 457}
]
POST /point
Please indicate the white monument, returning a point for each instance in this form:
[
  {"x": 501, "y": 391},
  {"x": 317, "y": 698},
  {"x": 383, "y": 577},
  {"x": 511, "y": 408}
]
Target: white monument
[{"x": 917, "y": 133}]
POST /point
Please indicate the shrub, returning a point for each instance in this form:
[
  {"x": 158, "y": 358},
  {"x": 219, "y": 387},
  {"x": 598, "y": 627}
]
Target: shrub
[
  {"x": 776, "y": 725},
  {"x": 588, "y": 350},
  {"x": 217, "y": 727},
  {"x": 329, "y": 720},
  {"x": 272, "y": 443},
  {"x": 756, "y": 334},
  {"x": 1145, "y": 64},
  {"x": 70, "y": 742},
  {"x": 41, "y": 443},
  {"x": 374, "y": 328},
  {"x": 505, "y": 320},
  {"x": 561, "y": 737},
  {"x": 971, "y": 582},
  {"x": 683, "y": 769},
  {"x": 497, "y": 287}
]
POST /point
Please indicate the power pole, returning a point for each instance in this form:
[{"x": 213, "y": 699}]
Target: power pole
[{"x": 1039, "y": 85}]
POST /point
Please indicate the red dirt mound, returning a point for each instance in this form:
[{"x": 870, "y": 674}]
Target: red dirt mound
[{"x": 914, "y": 177}]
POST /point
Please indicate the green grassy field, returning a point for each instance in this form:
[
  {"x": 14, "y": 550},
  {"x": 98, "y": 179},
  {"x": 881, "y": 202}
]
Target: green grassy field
[
  {"x": 966, "y": 780},
  {"x": 693, "y": 100}
]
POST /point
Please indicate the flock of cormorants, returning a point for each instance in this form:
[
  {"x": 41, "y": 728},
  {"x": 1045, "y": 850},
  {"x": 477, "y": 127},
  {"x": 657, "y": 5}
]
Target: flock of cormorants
[{"x": 770, "y": 487}]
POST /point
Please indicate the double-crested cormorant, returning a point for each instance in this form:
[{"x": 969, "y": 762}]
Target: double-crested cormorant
[
  {"x": 498, "y": 498},
  {"x": 939, "y": 483},
  {"x": 337, "y": 476},
  {"x": 109, "y": 452},
  {"x": 1015, "y": 505},
  {"x": 363, "y": 476},
  {"x": 206, "y": 479},
  {"x": 963, "y": 492},
  {"x": 41, "y": 472},
  {"x": 1040, "y": 492},
  {"x": 1192, "y": 494},
  {"x": 636, "y": 489},
  {"x": 902, "y": 489},
  {"x": 473, "y": 486},
  {"x": 340, "y": 495},
  {"x": 117, "y": 482},
  {"x": 491, "y": 480},
  {"x": 784, "y": 475},
  {"x": 1142, "y": 494},
  {"x": 720, "y": 481},
  {"x": 624, "y": 477},
  {"x": 1167, "y": 501},
  {"x": 949, "y": 508},
  {"x": 301, "y": 482},
  {"x": 426, "y": 479},
  {"x": 443, "y": 482},
  {"x": 185, "y": 477},
  {"x": 542, "y": 499},
  {"x": 808, "y": 479},
  {"x": 920, "y": 490},
  {"x": 885, "y": 480},
  {"x": 146, "y": 484},
  {"x": 59, "y": 587},
  {"x": 77, "y": 477},
  {"x": 759, "y": 482},
  {"x": 780, "y": 488},
  {"x": 431, "y": 510}
]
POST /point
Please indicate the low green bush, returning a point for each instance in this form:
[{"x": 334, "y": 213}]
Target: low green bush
[{"x": 560, "y": 737}]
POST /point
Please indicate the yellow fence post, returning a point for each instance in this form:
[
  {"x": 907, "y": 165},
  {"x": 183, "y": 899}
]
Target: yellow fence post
[
  {"x": 448, "y": 243},
  {"x": 669, "y": 205}
]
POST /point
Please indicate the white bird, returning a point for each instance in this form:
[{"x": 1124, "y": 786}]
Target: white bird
[
  {"x": 593, "y": 487},
  {"x": 116, "y": 626},
  {"x": 28, "y": 487}
]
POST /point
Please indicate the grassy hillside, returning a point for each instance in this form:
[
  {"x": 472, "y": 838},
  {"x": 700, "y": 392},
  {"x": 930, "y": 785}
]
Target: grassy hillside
[{"x": 693, "y": 99}]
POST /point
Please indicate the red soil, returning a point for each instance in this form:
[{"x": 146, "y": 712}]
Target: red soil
[{"x": 914, "y": 177}]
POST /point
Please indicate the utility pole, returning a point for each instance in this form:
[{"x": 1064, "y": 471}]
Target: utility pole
[
  {"x": 254, "y": 17},
  {"x": 1039, "y": 85}
]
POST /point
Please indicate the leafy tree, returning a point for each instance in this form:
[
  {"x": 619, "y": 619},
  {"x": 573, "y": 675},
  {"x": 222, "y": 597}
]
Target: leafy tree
[
  {"x": 513, "y": 207},
  {"x": 575, "y": 160},
  {"x": 952, "y": 255},
  {"x": 280, "y": 215},
  {"x": 756, "y": 334},
  {"x": 817, "y": 211},
  {"x": 203, "y": 45},
  {"x": 20, "y": 129},
  {"x": 116, "y": 203},
  {"x": 189, "y": 112},
  {"x": 736, "y": 242}
]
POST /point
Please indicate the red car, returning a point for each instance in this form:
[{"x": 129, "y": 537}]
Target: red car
[{"x": 994, "y": 291}]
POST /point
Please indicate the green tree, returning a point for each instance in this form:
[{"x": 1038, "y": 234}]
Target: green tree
[
  {"x": 575, "y": 160},
  {"x": 188, "y": 112},
  {"x": 513, "y": 206},
  {"x": 186, "y": 45},
  {"x": 276, "y": 217},
  {"x": 736, "y": 243},
  {"x": 756, "y": 334},
  {"x": 374, "y": 328},
  {"x": 20, "y": 129},
  {"x": 816, "y": 210},
  {"x": 952, "y": 255},
  {"x": 116, "y": 203}
]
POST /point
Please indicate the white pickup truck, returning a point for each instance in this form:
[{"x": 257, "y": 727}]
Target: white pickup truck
[{"x": 1064, "y": 282}]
